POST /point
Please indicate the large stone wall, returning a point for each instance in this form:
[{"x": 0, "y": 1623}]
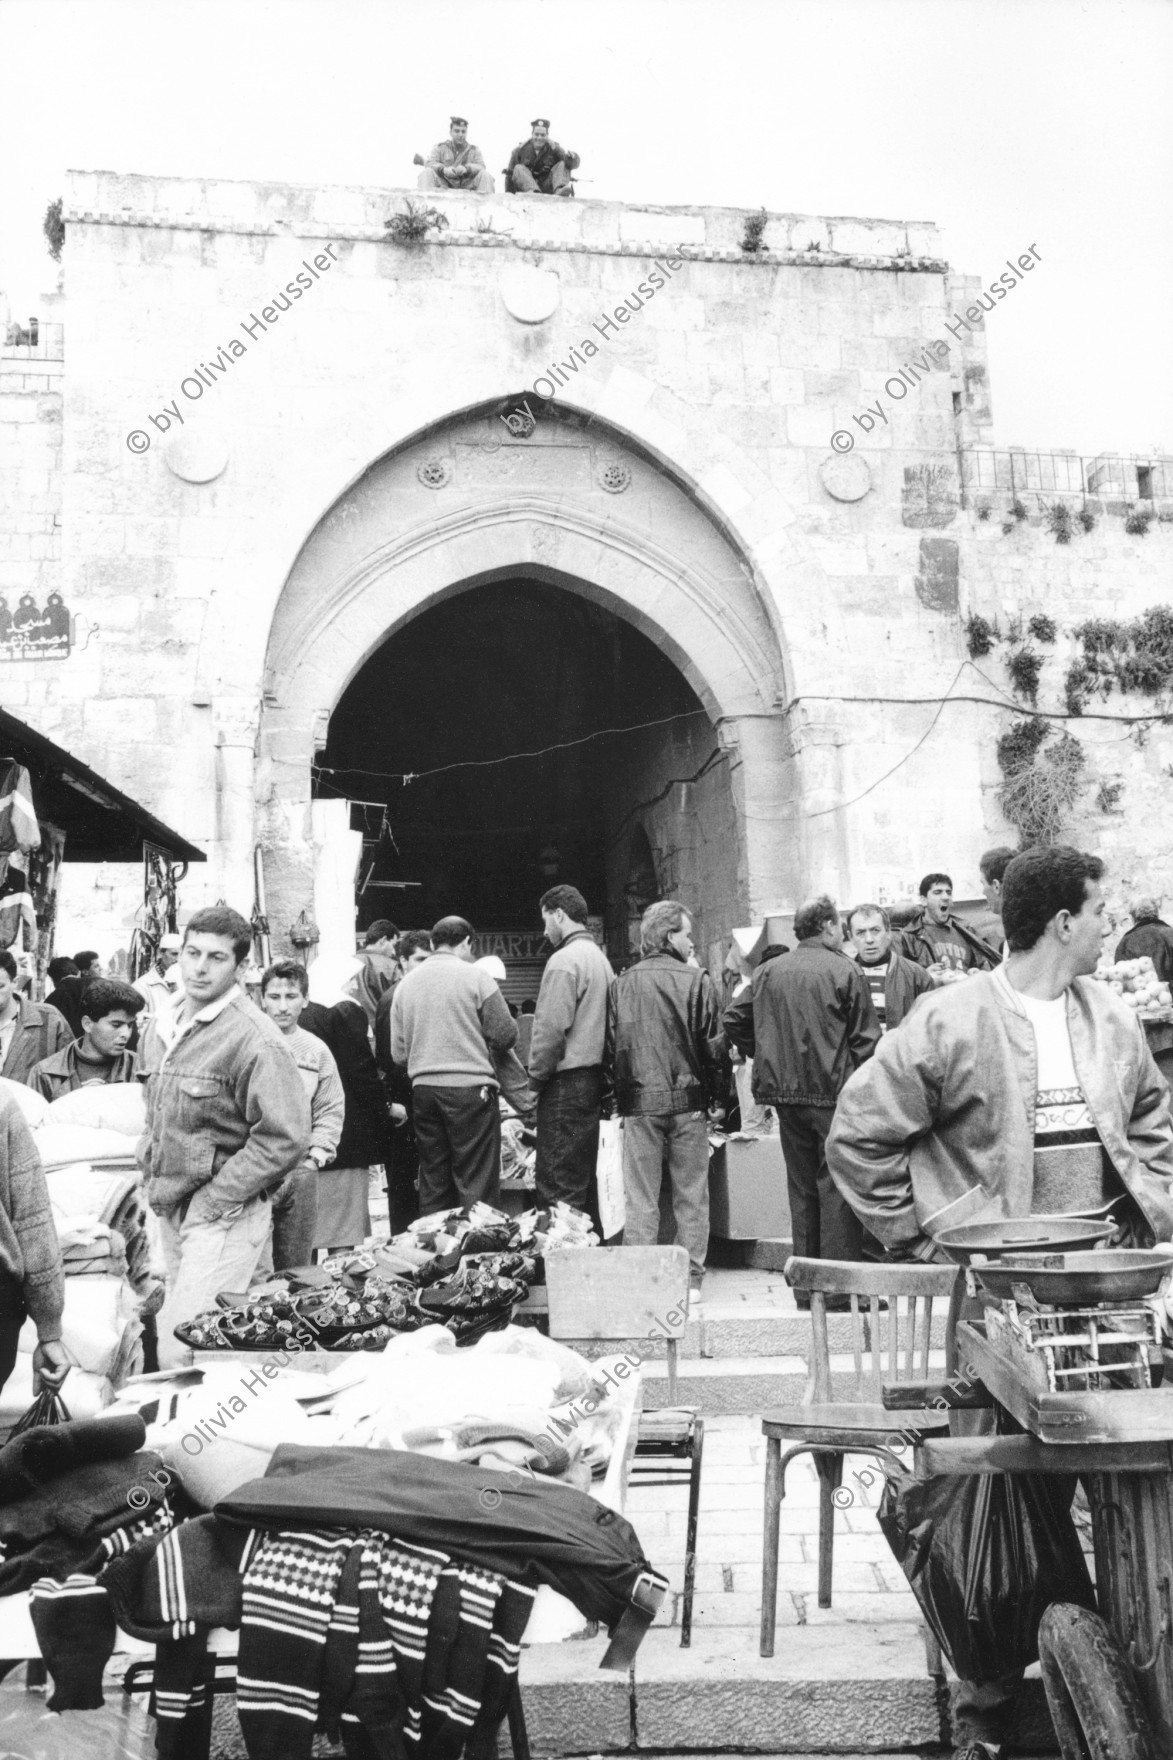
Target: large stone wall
[{"x": 724, "y": 387}]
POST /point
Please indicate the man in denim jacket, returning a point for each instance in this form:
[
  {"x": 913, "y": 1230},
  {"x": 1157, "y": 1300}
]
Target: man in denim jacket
[{"x": 227, "y": 1119}]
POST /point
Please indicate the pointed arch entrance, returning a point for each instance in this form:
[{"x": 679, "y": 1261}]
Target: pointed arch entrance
[{"x": 577, "y": 511}]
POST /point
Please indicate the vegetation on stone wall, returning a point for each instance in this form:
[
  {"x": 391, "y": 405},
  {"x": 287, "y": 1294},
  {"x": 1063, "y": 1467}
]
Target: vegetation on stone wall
[
  {"x": 1043, "y": 628},
  {"x": 753, "y": 238},
  {"x": 1025, "y": 666},
  {"x": 413, "y": 226},
  {"x": 980, "y": 635},
  {"x": 1126, "y": 654},
  {"x": 53, "y": 226},
  {"x": 1042, "y": 775},
  {"x": 1060, "y": 521}
]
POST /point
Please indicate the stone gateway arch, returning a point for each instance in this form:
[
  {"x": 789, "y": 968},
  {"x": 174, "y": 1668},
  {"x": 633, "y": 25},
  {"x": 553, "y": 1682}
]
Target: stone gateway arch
[{"x": 568, "y": 501}]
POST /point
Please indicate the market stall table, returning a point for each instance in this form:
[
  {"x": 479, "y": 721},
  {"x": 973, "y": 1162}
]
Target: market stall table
[
  {"x": 1076, "y": 1372},
  {"x": 553, "y": 1619}
]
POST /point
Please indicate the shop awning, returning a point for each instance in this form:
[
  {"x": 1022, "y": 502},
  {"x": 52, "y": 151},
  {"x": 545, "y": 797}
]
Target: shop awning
[{"x": 101, "y": 824}]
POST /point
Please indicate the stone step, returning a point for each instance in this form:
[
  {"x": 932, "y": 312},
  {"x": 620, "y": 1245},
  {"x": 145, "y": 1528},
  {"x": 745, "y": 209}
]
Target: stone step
[
  {"x": 725, "y": 1386},
  {"x": 728, "y": 1330},
  {"x": 863, "y": 1689}
]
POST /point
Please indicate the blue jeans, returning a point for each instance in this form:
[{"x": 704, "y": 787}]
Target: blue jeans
[
  {"x": 682, "y": 1140},
  {"x": 568, "y": 1139}
]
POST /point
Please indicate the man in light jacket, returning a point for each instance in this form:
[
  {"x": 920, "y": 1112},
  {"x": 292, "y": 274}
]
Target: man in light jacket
[
  {"x": 228, "y": 1118},
  {"x": 566, "y": 1054},
  {"x": 1028, "y": 1089},
  {"x": 664, "y": 1035}
]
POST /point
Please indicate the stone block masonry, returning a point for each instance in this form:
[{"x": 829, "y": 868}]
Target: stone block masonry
[{"x": 683, "y": 477}]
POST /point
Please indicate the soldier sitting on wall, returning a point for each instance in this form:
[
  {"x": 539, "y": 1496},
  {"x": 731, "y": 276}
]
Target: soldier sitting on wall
[
  {"x": 540, "y": 166},
  {"x": 455, "y": 163}
]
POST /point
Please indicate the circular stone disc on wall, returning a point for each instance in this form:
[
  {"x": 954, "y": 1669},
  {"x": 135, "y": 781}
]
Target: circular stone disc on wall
[
  {"x": 846, "y": 478},
  {"x": 530, "y": 295},
  {"x": 197, "y": 458}
]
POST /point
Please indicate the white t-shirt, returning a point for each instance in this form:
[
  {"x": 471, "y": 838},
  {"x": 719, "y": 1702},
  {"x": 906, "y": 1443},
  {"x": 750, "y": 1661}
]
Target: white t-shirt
[{"x": 1071, "y": 1169}]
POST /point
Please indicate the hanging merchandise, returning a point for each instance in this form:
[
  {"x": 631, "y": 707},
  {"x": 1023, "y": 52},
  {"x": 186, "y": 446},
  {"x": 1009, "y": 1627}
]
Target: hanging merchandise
[
  {"x": 18, "y": 819},
  {"x": 16, "y": 911}
]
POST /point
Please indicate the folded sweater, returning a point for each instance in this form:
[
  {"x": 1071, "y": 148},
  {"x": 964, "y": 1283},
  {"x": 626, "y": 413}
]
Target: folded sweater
[
  {"x": 530, "y": 1530},
  {"x": 31, "y": 1459}
]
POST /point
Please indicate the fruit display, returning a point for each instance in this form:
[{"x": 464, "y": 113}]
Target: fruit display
[{"x": 1136, "y": 983}]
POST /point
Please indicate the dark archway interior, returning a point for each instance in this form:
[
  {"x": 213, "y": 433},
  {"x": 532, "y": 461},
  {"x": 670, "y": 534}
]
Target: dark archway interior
[{"x": 513, "y": 667}]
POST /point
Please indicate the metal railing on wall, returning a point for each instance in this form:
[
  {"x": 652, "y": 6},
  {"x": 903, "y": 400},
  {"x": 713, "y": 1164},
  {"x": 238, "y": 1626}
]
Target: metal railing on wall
[{"x": 1107, "y": 476}]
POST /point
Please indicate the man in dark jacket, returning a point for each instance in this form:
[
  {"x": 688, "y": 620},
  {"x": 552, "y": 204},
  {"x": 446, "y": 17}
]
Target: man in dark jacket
[
  {"x": 1148, "y": 935},
  {"x": 664, "y": 1034},
  {"x": 893, "y": 981},
  {"x": 109, "y": 1010},
  {"x": 540, "y": 166},
  {"x": 808, "y": 1023},
  {"x": 938, "y": 938}
]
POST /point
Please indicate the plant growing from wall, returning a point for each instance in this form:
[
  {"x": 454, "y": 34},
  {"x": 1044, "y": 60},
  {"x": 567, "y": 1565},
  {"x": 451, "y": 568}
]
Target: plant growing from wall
[
  {"x": 1087, "y": 519},
  {"x": 1138, "y": 520},
  {"x": 413, "y": 226},
  {"x": 1025, "y": 666},
  {"x": 1020, "y": 510},
  {"x": 1042, "y": 628},
  {"x": 1127, "y": 654},
  {"x": 1042, "y": 774},
  {"x": 1108, "y": 794},
  {"x": 1059, "y": 521},
  {"x": 980, "y": 635},
  {"x": 984, "y": 511},
  {"x": 53, "y": 226},
  {"x": 752, "y": 239}
]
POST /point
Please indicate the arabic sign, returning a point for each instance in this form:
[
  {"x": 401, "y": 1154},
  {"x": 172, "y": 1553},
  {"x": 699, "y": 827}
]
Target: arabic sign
[{"x": 30, "y": 633}]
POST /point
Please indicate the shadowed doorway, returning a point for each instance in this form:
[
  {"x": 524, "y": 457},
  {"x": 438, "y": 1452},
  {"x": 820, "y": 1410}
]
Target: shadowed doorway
[{"x": 520, "y": 667}]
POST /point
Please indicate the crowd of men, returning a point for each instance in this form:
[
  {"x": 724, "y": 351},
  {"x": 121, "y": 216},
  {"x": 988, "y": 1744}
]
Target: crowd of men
[{"x": 894, "y": 1057}]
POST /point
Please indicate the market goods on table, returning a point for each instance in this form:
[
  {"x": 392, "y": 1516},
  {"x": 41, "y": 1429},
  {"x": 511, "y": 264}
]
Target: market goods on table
[
  {"x": 1136, "y": 983},
  {"x": 466, "y": 1270}
]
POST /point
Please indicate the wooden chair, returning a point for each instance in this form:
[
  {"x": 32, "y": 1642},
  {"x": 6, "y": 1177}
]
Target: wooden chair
[
  {"x": 885, "y": 1347},
  {"x": 640, "y": 1293}
]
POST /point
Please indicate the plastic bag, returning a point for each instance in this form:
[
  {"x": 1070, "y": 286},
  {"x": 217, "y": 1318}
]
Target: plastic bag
[
  {"x": 609, "y": 1173},
  {"x": 985, "y": 1556},
  {"x": 47, "y": 1408}
]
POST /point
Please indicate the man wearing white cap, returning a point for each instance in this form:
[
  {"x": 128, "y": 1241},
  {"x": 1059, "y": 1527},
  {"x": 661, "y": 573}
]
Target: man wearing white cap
[
  {"x": 455, "y": 163},
  {"x": 158, "y": 986}
]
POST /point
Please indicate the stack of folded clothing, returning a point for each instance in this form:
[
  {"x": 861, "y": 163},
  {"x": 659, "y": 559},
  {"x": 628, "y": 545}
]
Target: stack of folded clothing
[
  {"x": 91, "y": 1249},
  {"x": 110, "y": 1198},
  {"x": 68, "y": 1491}
]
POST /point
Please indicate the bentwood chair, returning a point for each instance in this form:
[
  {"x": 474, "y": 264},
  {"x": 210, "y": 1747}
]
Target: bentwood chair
[
  {"x": 640, "y": 1293},
  {"x": 832, "y": 1423}
]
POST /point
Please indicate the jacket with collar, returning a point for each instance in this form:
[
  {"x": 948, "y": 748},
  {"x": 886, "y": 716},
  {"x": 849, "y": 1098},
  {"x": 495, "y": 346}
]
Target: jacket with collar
[
  {"x": 570, "y": 1022},
  {"x": 226, "y": 1106},
  {"x": 808, "y": 1022},
  {"x": 664, "y": 1038},
  {"x": 40, "y": 1030},
  {"x": 904, "y": 981},
  {"x": 917, "y": 945},
  {"x": 937, "y": 1130},
  {"x": 64, "y": 1071}
]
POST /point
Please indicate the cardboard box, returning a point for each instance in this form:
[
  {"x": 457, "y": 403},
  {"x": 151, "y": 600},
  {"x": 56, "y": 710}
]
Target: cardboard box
[{"x": 747, "y": 1190}]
